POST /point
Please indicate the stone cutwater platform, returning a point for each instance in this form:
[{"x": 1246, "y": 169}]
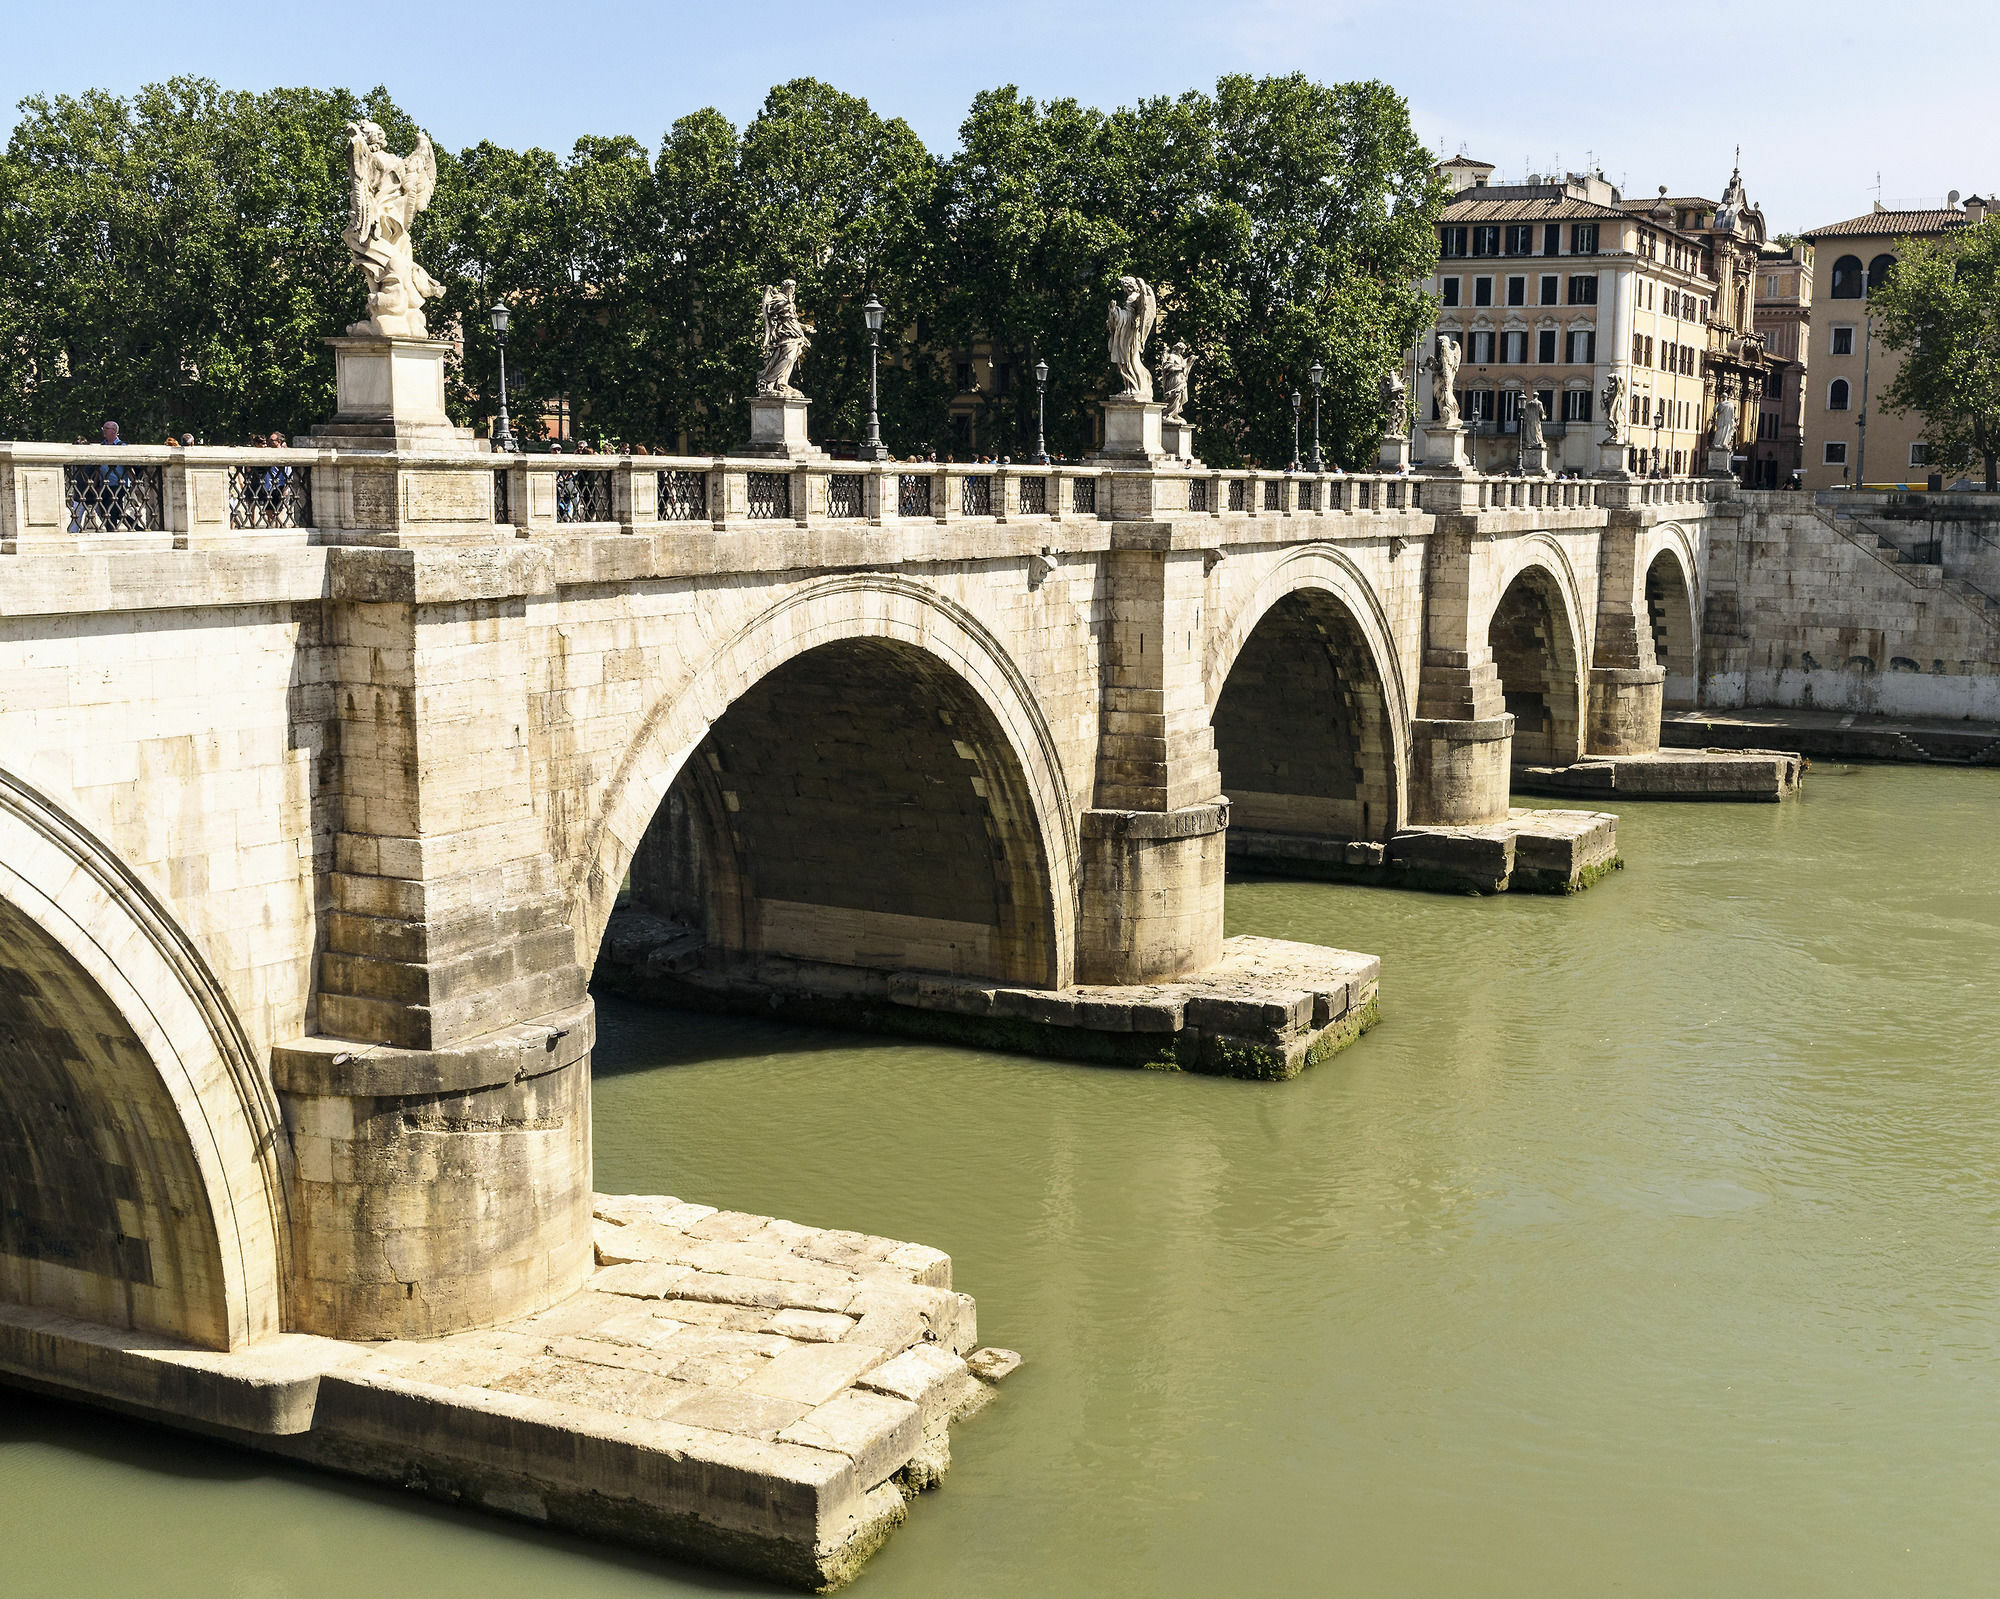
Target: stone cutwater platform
[
  {"x": 1705, "y": 774},
  {"x": 1534, "y": 852},
  {"x": 1267, "y": 1009},
  {"x": 728, "y": 1388}
]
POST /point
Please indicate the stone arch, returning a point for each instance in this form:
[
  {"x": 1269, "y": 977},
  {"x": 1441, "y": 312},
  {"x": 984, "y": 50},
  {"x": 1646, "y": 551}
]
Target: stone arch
[
  {"x": 140, "y": 1146},
  {"x": 950, "y": 686},
  {"x": 1540, "y": 650},
  {"x": 1674, "y": 613},
  {"x": 1307, "y": 704}
]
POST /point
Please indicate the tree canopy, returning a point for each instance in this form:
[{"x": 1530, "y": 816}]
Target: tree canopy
[
  {"x": 174, "y": 260},
  {"x": 1940, "y": 310}
]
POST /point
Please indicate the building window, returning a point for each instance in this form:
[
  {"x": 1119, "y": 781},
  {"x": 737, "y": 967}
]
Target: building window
[
  {"x": 1836, "y": 395},
  {"x": 1583, "y": 289},
  {"x": 1836, "y": 454},
  {"x": 1482, "y": 349},
  {"x": 1920, "y": 455},
  {"x": 1878, "y": 271},
  {"x": 1843, "y": 341},
  {"x": 1482, "y": 291},
  {"x": 1583, "y": 238},
  {"x": 1638, "y": 349},
  {"x": 1646, "y": 352},
  {"x": 1003, "y": 378},
  {"x": 1548, "y": 399},
  {"x": 1514, "y": 349},
  {"x": 1450, "y": 291},
  {"x": 1451, "y": 241},
  {"x": 1517, "y": 291},
  {"x": 1551, "y": 289},
  {"x": 1521, "y": 238},
  {"x": 1576, "y": 405},
  {"x": 1847, "y": 280},
  {"x": 1510, "y": 409},
  {"x": 1552, "y": 238},
  {"x": 1545, "y": 346},
  {"x": 1485, "y": 241},
  {"x": 1582, "y": 349},
  {"x": 964, "y": 376}
]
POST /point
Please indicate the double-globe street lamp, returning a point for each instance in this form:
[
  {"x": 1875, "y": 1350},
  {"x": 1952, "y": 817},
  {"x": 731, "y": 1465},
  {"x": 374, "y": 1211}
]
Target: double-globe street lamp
[
  {"x": 1317, "y": 375},
  {"x": 1297, "y": 465},
  {"x": 503, "y": 430},
  {"x": 873, "y": 450}
]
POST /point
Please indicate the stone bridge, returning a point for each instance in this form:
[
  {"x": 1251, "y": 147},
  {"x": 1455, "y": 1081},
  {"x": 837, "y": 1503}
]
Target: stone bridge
[{"x": 323, "y": 771}]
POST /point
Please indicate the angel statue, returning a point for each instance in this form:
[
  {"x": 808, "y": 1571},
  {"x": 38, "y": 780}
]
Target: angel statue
[
  {"x": 784, "y": 341},
  {"x": 1614, "y": 409},
  {"x": 1443, "y": 368},
  {"x": 384, "y": 194},
  {"x": 1395, "y": 405},
  {"x": 1175, "y": 365},
  {"x": 1134, "y": 310}
]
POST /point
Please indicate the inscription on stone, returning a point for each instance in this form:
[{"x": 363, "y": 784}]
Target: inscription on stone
[
  {"x": 448, "y": 497},
  {"x": 373, "y": 498}
]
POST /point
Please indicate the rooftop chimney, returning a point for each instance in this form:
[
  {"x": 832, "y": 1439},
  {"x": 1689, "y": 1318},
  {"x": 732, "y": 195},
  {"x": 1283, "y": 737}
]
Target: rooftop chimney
[{"x": 1975, "y": 210}]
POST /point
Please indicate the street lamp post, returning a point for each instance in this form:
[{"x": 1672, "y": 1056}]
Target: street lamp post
[
  {"x": 1318, "y": 374},
  {"x": 503, "y": 430},
  {"x": 1297, "y": 465},
  {"x": 1041, "y": 414},
  {"x": 873, "y": 450}
]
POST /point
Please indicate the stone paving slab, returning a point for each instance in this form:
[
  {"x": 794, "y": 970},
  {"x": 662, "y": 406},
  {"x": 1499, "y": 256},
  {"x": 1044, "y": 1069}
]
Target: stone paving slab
[
  {"x": 731, "y": 1388},
  {"x": 1679, "y": 774},
  {"x": 1838, "y": 735}
]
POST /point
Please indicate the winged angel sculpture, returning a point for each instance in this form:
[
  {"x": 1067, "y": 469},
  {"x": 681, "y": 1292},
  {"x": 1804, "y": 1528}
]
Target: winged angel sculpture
[
  {"x": 385, "y": 193},
  {"x": 1134, "y": 310},
  {"x": 784, "y": 341}
]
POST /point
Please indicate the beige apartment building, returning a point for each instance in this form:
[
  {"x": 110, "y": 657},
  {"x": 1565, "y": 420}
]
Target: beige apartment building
[
  {"x": 1850, "y": 438},
  {"x": 1784, "y": 322},
  {"x": 1559, "y": 285}
]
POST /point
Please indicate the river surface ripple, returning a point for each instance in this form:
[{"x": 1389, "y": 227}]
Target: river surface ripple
[{"x": 1648, "y": 1247}]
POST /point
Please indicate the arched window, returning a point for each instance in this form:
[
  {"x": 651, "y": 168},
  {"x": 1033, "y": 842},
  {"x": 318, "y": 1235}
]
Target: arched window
[
  {"x": 1847, "y": 279},
  {"x": 1878, "y": 271},
  {"x": 1836, "y": 395}
]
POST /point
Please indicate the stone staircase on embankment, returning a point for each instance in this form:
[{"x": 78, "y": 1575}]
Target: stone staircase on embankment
[{"x": 1871, "y": 535}]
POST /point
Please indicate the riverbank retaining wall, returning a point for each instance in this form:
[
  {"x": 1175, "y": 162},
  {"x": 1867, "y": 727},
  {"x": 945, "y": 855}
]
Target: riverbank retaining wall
[{"x": 1852, "y": 603}]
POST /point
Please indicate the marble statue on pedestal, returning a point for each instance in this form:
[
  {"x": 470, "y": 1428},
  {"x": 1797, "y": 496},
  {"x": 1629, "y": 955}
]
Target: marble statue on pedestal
[
  {"x": 1395, "y": 405},
  {"x": 1725, "y": 423},
  {"x": 385, "y": 193},
  {"x": 1134, "y": 310},
  {"x": 1532, "y": 417},
  {"x": 1443, "y": 368},
  {"x": 784, "y": 341},
  {"x": 1175, "y": 366},
  {"x": 1614, "y": 409}
]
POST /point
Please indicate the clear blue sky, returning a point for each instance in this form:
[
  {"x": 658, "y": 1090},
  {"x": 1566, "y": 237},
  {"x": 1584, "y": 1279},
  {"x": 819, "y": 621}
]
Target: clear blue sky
[{"x": 1821, "y": 97}]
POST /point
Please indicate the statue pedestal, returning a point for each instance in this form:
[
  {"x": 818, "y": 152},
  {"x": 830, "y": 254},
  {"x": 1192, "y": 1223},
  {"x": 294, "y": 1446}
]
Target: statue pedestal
[
  {"x": 1611, "y": 458},
  {"x": 1721, "y": 463},
  {"x": 1535, "y": 461},
  {"x": 391, "y": 396},
  {"x": 1395, "y": 453},
  {"x": 1176, "y": 438},
  {"x": 778, "y": 428},
  {"x": 1132, "y": 431},
  {"x": 1444, "y": 451}
]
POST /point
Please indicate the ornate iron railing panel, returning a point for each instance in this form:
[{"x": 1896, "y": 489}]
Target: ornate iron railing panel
[
  {"x": 843, "y": 495},
  {"x": 683, "y": 496},
  {"x": 1274, "y": 493},
  {"x": 583, "y": 494},
  {"x": 1197, "y": 494},
  {"x": 975, "y": 497},
  {"x": 279, "y": 495},
  {"x": 1083, "y": 496},
  {"x": 1308, "y": 496},
  {"x": 1238, "y": 493},
  {"x": 114, "y": 499},
  {"x": 770, "y": 496},
  {"x": 503, "y": 496},
  {"x": 1034, "y": 496},
  {"x": 913, "y": 494}
]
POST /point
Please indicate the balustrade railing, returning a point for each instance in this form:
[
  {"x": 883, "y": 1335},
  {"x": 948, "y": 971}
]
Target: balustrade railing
[
  {"x": 681, "y": 495},
  {"x": 503, "y": 497},
  {"x": 844, "y": 497},
  {"x": 1083, "y": 496},
  {"x": 583, "y": 494},
  {"x": 279, "y": 495},
  {"x": 913, "y": 494},
  {"x": 114, "y": 499},
  {"x": 1034, "y": 496},
  {"x": 976, "y": 496}
]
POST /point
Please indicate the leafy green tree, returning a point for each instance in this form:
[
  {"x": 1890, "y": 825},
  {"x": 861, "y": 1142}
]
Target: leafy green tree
[
  {"x": 174, "y": 260},
  {"x": 1940, "y": 310}
]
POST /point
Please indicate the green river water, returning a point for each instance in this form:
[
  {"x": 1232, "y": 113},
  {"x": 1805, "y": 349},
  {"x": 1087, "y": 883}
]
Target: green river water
[{"x": 1648, "y": 1247}]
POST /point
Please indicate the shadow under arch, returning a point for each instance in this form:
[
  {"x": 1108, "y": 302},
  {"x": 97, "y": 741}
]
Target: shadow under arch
[
  {"x": 141, "y": 1178},
  {"x": 859, "y": 776},
  {"x": 1307, "y": 705},
  {"x": 1537, "y": 643},
  {"x": 1672, "y": 612}
]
